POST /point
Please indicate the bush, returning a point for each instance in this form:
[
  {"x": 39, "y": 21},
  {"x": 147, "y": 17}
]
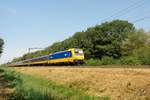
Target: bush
[
  {"x": 108, "y": 60},
  {"x": 128, "y": 61},
  {"x": 93, "y": 62},
  {"x": 104, "y": 61},
  {"x": 143, "y": 55}
]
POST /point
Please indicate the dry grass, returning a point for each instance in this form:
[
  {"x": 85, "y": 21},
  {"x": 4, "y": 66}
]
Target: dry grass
[{"x": 117, "y": 83}]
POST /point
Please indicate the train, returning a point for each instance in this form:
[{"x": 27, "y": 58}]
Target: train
[{"x": 73, "y": 56}]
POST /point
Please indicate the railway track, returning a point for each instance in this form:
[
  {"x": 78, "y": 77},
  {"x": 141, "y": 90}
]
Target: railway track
[{"x": 101, "y": 66}]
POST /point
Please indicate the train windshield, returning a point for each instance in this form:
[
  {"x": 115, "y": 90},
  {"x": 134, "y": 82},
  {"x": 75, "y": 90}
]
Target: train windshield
[{"x": 78, "y": 52}]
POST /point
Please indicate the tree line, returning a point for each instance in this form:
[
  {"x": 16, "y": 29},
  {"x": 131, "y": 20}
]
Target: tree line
[{"x": 112, "y": 42}]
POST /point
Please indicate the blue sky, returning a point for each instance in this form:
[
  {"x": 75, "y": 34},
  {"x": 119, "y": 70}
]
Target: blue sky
[{"x": 39, "y": 23}]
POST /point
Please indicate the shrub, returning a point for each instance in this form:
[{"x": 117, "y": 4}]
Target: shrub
[
  {"x": 108, "y": 60},
  {"x": 93, "y": 62},
  {"x": 104, "y": 61},
  {"x": 143, "y": 55},
  {"x": 128, "y": 60}
]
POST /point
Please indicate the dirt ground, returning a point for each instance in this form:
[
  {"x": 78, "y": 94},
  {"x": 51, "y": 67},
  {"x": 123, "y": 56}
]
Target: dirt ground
[
  {"x": 5, "y": 91},
  {"x": 116, "y": 83}
]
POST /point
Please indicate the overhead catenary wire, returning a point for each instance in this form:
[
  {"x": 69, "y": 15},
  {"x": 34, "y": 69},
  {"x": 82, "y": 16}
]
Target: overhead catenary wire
[
  {"x": 136, "y": 17},
  {"x": 135, "y": 7},
  {"x": 128, "y": 9},
  {"x": 141, "y": 19}
]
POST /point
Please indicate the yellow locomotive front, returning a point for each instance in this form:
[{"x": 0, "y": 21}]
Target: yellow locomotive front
[{"x": 77, "y": 55}]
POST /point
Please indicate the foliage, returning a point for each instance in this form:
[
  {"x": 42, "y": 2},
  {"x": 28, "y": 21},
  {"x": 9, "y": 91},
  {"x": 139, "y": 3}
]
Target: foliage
[
  {"x": 143, "y": 55},
  {"x": 104, "y": 61},
  {"x": 135, "y": 40},
  {"x": 128, "y": 60},
  {"x": 1, "y": 46},
  {"x": 108, "y": 60},
  {"x": 93, "y": 62}
]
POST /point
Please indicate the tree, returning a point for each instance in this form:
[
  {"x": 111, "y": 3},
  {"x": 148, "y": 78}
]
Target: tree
[
  {"x": 134, "y": 40},
  {"x": 1, "y": 46},
  {"x": 143, "y": 55},
  {"x": 106, "y": 38}
]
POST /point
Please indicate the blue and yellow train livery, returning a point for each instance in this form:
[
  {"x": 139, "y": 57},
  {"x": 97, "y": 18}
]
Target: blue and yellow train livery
[{"x": 72, "y": 56}]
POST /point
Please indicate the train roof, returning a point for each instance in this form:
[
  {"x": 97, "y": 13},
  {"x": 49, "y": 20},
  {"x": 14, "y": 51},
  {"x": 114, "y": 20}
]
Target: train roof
[{"x": 36, "y": 58}]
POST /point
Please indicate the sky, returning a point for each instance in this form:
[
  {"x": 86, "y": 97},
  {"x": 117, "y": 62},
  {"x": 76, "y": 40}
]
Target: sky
[{"x": 39, "y": 23}]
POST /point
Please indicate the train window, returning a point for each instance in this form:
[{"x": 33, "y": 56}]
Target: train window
[{"x": 78, "y": 52}]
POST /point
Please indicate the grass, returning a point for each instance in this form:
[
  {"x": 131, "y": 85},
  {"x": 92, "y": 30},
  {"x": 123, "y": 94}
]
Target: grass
[{"x": 29, "y": 87}]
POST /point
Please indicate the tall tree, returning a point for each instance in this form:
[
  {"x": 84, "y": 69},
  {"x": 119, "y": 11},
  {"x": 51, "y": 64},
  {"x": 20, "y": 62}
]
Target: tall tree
[
  {"x": 1, "y": 46},
  {"x": 134, "y": 41},
  {"x": 106, "y": 38}
]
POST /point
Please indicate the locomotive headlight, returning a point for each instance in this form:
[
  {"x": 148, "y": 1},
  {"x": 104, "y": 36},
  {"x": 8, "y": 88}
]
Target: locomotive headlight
[{"x": 80, "y": 52}]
